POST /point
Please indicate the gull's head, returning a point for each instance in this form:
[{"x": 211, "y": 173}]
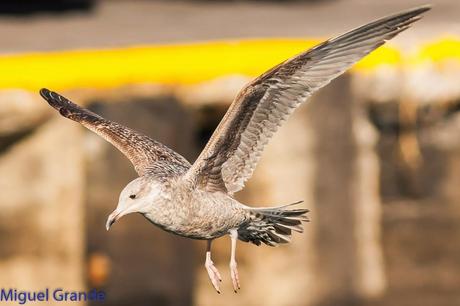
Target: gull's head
[{"x": 137, "y": 197}]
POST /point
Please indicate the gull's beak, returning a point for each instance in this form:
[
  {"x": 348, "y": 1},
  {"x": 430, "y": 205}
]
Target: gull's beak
[{"x": 112, "y": 218}]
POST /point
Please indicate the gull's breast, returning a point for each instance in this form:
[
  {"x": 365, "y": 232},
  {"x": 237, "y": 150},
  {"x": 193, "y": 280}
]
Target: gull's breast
[{"x": 200, "y": 215}]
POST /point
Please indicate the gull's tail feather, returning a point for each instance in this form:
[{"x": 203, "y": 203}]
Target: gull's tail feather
[{"x": 273, "y": 225}]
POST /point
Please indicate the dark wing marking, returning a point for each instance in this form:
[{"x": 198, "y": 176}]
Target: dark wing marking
[
  {"x": 234, "y": 149},
  {"x": 147, "y": 155}
]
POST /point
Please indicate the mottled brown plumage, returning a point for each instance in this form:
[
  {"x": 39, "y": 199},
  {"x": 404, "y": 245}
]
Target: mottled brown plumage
[
  {"x": 147, "y": 155},
  {"x": 197, "y": 201}
]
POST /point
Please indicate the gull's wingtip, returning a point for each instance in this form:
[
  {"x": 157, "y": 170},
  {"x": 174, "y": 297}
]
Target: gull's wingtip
[
  {"x": 426, "y": 7},
  {"x": 53, "y": 98},
  {"x": 50, "y": 96},
  {"x": 423, "y": 8},
  {"x": 44, "y": 92},
  {"x": 414, "y": 13},
  {"x": 418, "y": 10}
]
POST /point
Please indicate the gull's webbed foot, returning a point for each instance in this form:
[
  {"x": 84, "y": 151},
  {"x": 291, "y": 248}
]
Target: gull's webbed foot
[
  {"x": 234, "y": 275},
  {"x": 213, "y": 273}
]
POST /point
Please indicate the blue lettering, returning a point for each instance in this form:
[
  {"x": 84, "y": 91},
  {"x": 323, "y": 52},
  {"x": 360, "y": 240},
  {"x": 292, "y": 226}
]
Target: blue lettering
[
  {"x": 4, "y": 296},
  {"x": 72, "y": 296},
  {"x": 100, "y": 296},
  {"x": 58, "y": 295},
  {"x": 22, "y": 297},
  {"x": 41, "y": 296},
  {"x": 92, "y": 295}
]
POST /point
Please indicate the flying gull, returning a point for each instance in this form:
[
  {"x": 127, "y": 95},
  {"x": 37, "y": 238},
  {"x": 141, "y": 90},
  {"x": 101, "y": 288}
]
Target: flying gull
[{"x": 196, "y": 201}]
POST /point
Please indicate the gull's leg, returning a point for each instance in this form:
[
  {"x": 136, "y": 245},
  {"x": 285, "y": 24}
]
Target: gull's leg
[
  {"x": 213, "y": 274},
  {"x": 233, "y": 265}
]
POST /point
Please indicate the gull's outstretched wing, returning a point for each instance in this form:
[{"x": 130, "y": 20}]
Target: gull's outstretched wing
[
  {"x": 234, "y": 149},
  {"x": 147, "y": 155}
]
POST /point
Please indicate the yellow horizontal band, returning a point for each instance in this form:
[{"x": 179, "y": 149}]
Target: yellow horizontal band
[{"x": 181, "y": 64}]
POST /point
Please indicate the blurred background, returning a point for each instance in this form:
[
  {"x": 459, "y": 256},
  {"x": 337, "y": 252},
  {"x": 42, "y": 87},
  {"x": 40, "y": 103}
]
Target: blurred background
[{"x": 375, "y": 155}]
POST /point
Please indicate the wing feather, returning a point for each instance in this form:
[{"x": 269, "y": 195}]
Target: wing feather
[
  {"x": 147, "y": 155},
  {"x": 234, "y": 149}
]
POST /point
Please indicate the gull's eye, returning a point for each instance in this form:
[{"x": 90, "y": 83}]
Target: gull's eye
[{"x": 133, "y": 196}]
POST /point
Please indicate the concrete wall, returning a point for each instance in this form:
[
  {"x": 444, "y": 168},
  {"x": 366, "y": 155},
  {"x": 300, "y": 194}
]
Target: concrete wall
[{"x": 42, "y": 202}]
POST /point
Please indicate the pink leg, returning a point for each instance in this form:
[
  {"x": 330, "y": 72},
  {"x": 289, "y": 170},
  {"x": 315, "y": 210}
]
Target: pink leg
[
  {"x": 214, "y": 275},
  {"x": 233, "y": 265}
]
